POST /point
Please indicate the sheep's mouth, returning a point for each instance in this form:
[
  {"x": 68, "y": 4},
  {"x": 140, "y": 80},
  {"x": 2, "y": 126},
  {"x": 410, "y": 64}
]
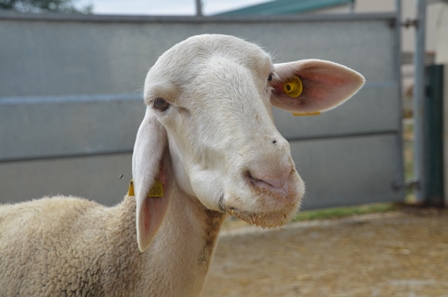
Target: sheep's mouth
[
  {"x": 260, "y": 206},
  {"x": 264, "y": 219}
]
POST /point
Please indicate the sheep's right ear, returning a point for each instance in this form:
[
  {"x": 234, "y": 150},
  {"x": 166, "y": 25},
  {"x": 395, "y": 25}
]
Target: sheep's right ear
[{"x": 147, "y": 166}]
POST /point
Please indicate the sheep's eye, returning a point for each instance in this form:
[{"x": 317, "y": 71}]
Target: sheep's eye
[
  {"x": 270, "y": 77},
  {"x": 161, "y": 104}
]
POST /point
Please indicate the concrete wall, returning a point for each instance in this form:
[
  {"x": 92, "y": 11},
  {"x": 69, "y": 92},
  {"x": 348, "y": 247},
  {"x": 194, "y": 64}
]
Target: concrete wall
[{"x": 70, "y": 107}]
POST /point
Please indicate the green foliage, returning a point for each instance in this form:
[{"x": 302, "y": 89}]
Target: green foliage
[
  {"x": 341, "y": 212},
  {"x": 38, "y": 6}
]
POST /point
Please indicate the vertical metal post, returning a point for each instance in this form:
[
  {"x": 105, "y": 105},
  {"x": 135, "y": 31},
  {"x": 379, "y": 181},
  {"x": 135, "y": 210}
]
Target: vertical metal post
[
  {"x": 419, "y": 95},
  {"x": 445, "y": 133},
  {"x": 198, "y": 8},
  {"x": 398, "y": 80},
  {"x": 433, "y": 136}
]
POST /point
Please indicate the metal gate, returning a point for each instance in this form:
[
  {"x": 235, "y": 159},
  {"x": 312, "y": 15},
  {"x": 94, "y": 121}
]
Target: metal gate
[{"x": 70, "y": 101}]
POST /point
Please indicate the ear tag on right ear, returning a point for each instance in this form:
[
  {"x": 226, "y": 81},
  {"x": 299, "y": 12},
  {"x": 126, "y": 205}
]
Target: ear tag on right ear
[
  {"x": 131, "y": 188},
  {"x": 156, "y": 191},
  {"x": 294, "y": 87}
]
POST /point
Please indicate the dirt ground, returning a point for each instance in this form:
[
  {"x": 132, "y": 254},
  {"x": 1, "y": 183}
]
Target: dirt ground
[{"x": 395, "y": 254}]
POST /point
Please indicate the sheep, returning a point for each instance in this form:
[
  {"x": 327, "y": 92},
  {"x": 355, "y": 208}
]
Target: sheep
[{"x": 208, "y": 139}]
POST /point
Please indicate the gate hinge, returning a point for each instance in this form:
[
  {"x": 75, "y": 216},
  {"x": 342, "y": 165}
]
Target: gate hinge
[
  {"x": 410, "y": 23},
  {"x": 408, "y": 185}
]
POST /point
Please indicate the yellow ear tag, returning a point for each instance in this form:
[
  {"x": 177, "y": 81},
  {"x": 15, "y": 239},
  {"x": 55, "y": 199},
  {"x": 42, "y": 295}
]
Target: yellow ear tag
[
  {"x": 294, "y": 87},
  {"x": 156, "y": 191},
  {"x": 131, "y": 188}
]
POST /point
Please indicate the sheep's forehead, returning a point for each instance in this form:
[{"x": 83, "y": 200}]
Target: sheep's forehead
[
  {"x": 200, "y": 47},
  {"x": 194, "y": 55},
  {"x": 201, "y": 60}
]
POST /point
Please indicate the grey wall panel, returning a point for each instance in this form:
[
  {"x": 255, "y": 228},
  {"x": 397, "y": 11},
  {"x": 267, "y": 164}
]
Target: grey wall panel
[
  {"x": 76, "y": 125},
  {"x": 348, "y": 171},
  {"x": 70, "y": 125},
  {"x": 47, "y": 58},
  {"x": 371, "y": 110},
  {"x": 96, "y": 178},
  {"x": 342, "y": 171},
  {"x": 81, "y": 144}
]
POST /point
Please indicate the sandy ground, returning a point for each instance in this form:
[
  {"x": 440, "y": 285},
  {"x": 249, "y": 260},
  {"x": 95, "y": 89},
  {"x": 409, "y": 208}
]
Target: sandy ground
[{"x": 395, "y": 254}]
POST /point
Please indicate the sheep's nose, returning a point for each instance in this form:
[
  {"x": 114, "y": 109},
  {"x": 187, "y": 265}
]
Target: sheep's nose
[{"x": 273, "y": 183}]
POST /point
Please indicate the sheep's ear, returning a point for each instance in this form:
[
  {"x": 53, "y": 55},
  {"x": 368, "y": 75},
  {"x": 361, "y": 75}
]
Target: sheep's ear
[
  {"x": 313, "y": 86},
  {"x": 147, "y": 167}
]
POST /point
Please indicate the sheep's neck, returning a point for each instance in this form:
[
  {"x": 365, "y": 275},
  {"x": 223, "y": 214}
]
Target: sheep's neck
[{"x": 184, "y": 246}]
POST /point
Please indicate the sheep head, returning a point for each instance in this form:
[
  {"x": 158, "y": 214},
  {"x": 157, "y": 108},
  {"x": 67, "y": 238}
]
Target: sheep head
[{"x": 209, "y": 101}]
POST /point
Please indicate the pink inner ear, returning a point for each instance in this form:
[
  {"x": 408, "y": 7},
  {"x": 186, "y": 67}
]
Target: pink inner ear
[
  {"x": 152, "y": 213},
  {"x": 325, "y": 85},
  {"x": 146, "y": 216},
  {"x": 153, "y": 208}
]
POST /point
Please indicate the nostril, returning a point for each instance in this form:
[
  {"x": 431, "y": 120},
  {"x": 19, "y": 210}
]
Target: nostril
[
  {"x": 270, "y": 183},
  {"x": 276, "y": 183}
]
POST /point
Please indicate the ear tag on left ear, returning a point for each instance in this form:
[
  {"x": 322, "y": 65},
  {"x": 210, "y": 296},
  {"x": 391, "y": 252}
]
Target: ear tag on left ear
[
  {"x": 156, "y": 191},
  {"x": 294, "y": 87}
]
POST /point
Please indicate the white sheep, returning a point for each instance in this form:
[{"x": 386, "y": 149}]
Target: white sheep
[{"x": 208, "y": 136}]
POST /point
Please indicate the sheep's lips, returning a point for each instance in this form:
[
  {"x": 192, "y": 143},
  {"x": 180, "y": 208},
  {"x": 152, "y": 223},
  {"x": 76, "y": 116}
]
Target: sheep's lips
[
  {"x": 262, "y": 205},
  {"x": 265, "y": 219}
]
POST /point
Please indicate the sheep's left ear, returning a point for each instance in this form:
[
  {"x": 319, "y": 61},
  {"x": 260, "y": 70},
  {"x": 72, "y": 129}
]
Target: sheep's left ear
[
  {"x": 313, "y": 86},
  {"x": 147, "y": 167}
]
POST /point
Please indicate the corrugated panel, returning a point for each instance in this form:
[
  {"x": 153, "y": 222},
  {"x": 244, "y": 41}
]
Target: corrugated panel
[
  {"x": 86, "y": 125},
  {"x": 348, "y": 171},
  {"x": 347, "y": 156},
  {"x": 46, "y": 58},
  {"x": 49, "y": 127},
  {"x": 284, "y": 7},
  {"x": 341, "y": 171},
  {"x": 96, "y": 178}
]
